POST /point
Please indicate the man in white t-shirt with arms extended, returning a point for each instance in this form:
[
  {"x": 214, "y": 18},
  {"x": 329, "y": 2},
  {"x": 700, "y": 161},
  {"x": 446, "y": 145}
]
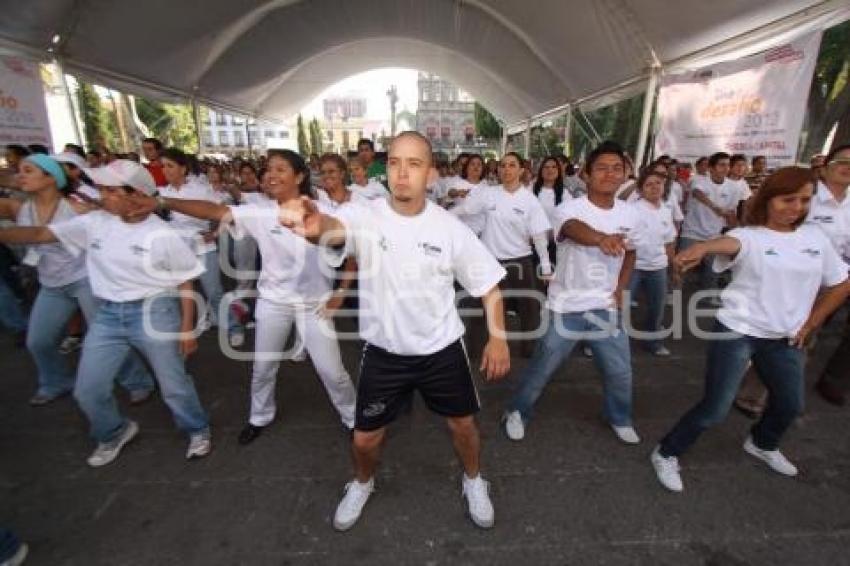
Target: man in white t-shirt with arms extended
[
  {"x": 409, "y": 252},
  {"x": 712, "y": 207}
]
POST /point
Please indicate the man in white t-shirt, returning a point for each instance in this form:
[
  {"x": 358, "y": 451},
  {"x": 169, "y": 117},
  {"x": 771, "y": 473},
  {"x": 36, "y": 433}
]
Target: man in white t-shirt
[
  {"x": 712, "y": 207},
  {"x": 409, "y": 252},
  {"x": 596, "y": 243}
]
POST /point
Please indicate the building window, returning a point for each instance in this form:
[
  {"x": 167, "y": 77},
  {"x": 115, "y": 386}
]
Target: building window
[
  {"x": 469, "y": 133},
  {"x": 238, "y": 139},
  {"x": 284, "y": 135},
  {"x": 431, "y": 132},
  {"x": 424, "y": 95},
  {"x": 237, "y": 121},
  {"x": 207, "y": 138},
  {"x": 220, "y": 119},
  {"x": 223, "y": 139},
  {"x": 269, "y": 133},
  {"x": 445, "y": 132},
  {"x": 345, "y": 139}
]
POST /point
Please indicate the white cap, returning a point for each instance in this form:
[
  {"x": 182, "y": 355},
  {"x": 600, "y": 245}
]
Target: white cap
[
  {"x": 72, "y": 158},
  {"x": 123, "y": 172}
]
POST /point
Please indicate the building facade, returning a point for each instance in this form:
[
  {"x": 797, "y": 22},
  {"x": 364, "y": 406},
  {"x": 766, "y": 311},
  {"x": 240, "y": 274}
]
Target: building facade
[
  {"x": 230, "y": 135},
  {"x": 446, "y": 115}
]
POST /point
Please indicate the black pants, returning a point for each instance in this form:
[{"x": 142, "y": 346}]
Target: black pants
[{"x": 837, "y": 370}]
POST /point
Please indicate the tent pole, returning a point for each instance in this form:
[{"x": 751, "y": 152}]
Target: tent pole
[
  {"x": 568, "y": 129},
  {"x": 78, "y": 132},
  {"x": 196, "y": 118},
  {"x": 504, "y": 145},
  {"x": 648, "y": 103},
  {"x": 528, "y": 139}
]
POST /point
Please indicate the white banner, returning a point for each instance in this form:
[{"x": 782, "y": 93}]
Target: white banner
[
  {"x": 23, "y": 112},
  {"x": 753, "y": 105}
]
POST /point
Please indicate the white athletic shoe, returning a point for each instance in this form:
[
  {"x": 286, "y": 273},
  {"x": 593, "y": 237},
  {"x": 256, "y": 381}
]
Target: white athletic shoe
[
  {"x": 476, "y": 491},
  {"x": 667, "y": 470},
  {"x": 199, "y": 445},
  {"x": 106, "y": 452},
  {"x": 626, "y": 434},
  {"x": 514, "y": 427},
  {"x": 773, "y": 458},
  {"x": 351, "y": 506}
]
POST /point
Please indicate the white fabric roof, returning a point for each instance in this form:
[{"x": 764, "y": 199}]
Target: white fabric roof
[{"x": 270, "y": 57}]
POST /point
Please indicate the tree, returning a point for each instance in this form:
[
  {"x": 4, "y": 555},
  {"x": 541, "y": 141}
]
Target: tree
[
  {"x": 316, "y": 140},
  {"x": 486, "y": 124},
  {"x": 97, "y": 120},
  {"x": 829, "y": 97},
  {"x": 303, "y": 144},
  {"x": 172, "y": 124}
]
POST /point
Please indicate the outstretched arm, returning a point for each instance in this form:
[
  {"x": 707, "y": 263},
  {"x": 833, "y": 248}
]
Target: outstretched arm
[{"x": 27, "y": 235}]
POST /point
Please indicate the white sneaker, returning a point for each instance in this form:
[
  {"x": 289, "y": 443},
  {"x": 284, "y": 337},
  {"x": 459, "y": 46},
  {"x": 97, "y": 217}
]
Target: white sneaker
[
  {"x": 237, "y": 339},
  {"x": 587, "y": 351},
  {"x": 19, "y": 557},
  {"x": 773, "y": 458},
  {"x": 199, "y": 445},
  {"x": 106, "y": 452},
  {"x": 626, "y": 434},
  {"x": 667, "y": 470},
  {"x": 661, "y": 352},
  {"x": 514, "y": 427},
  {"x": 476, "y": 491},
  {"x": 349, "y": 509}
]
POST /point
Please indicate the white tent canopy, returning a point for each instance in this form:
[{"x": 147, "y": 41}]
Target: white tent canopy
[{"x": 268, "y": 58}]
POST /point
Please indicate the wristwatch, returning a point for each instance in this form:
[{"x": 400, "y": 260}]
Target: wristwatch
[{"x": 161, "y": 205}]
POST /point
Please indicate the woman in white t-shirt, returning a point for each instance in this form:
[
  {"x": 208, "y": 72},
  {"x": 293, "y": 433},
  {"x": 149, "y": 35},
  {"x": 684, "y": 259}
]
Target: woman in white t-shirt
[
  {"x": 295, "y": 288},
  {"x": 197, "y": 234},
  {"x": 64, "y": 284},
  {"x": 136, "y": 267},
  {"x": 786, "y": 280},
  {"x": 471, "y": 180},
  {"x": 514, "y": 219},
  {"x": 653, "y": 249}
]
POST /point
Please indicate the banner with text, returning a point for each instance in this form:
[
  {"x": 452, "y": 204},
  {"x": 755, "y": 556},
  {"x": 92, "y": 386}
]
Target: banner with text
[
  {"x": 23, "y": 111},
  {"x": 753, "y": 105}
]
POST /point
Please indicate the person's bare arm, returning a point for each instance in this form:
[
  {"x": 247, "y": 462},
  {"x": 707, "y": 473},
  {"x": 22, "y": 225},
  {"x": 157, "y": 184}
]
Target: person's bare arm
[
  {"x": 582, "y": 234},
  {"x": 828, "y": 301},
  {"x": 9, "y": 208},
  {"x": 496, "y": 358},
  {"x": 27, "y": 235},
  {"x": 188, "y": 344}
]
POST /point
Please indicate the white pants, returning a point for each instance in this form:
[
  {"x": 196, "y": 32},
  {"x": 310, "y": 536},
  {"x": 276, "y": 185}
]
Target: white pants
[{"x": 274, "y": 322}]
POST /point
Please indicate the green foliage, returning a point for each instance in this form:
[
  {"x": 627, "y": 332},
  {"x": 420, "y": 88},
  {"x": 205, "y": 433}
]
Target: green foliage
[
  {"x": 316, "y": 140},
  {"x": 303, "y": 143},
  {"x": 98, "y": 122},
  {"x": 173, "y": 124},
  {"x": 486, "y": 124},
  {"x": 829, "y": 97}
]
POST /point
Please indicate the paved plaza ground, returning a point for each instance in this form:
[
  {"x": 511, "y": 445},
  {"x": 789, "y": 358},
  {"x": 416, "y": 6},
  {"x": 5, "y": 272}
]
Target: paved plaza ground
[{"x": 569, "y": 494}]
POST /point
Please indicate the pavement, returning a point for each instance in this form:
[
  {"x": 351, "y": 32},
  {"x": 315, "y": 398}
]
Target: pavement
[{"x": 569, "y": 494}]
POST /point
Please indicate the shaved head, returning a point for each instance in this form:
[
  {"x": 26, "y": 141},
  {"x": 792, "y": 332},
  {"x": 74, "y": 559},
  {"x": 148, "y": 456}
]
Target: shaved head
[{"x": 426, "y": 145}]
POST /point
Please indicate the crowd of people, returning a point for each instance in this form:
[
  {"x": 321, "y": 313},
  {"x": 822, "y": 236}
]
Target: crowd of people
[{"x": 108, "y": 253}]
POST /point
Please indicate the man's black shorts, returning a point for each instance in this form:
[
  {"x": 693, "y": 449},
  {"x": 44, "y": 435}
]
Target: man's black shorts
[{"x": 387, "y": 382}]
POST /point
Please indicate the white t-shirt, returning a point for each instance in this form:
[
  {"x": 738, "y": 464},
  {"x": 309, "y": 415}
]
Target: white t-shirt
[
  {"x": 257, "y": 198},
  {"x": 775, "y": 279},
  {"x": 476, "y": 222},
  {"x": 292, "y": 271},
  {"x": 56, "y": 266},
  {"x": 833, "y": 218},
  {"x": 128, "y": 261},
  {"x": 407, "y": 268},
  {"x": 511, "y": 219},
  {"x": 189, "y": 227},
  {"x": 585, "y": 278},
  {"x": 656, "y": 228},
  {"x": 671, "y": 203},
  {"x": 373, "y": 190},
  {"x": 546, "y": 196},
  {"x": 701, "y": 223},
  {"x": 677, "y": 193},
  {"x": 324, "y": 198}
]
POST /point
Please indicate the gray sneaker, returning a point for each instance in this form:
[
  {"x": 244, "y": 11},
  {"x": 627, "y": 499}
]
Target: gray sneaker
[
  {"x": 199, "y": 445},
  {"x": 106, "y": 452}
]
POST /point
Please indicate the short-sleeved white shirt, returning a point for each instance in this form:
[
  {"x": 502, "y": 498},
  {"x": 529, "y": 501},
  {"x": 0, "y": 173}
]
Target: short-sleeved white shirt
[
  {"x": 292, "y": 268},
  {"x": 585, "y": 278},
  {"x": 833, "y": 218},
  {"x": 128, "y": 261},
  {"x": 775, "y": 279},
  {"x": 511, "y": 219},
  {"x": 189, "y": 227},
  {"x": 407, "y": 266},
  {"x": 701, "y": 223},
  {"x": 546, "y": 196},
  {"x": 656, "y": 230},
  {"x": 373, "y": 190}
]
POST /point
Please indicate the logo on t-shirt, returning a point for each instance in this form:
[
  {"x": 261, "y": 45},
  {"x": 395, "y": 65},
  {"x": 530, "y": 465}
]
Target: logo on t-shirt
[
  {"x": 771, "y": 251},
  {"x": 383, "y": 243},
  {"x": 96, "y": 244},
  {"x": 519, "y": 211},
  {"x": 823, "y": 218},
  {"x": 277, "y": 231},
  {"x": 430, "y": 249},
  {"x": 138, "y": 250},
  {"x": 623, "y": 229},
  {"x": 811, "y": 252},
  {"x": 374, "y": 409}
]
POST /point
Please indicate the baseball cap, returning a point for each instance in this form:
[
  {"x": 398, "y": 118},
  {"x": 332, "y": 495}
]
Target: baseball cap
[
  {"x": 72, "y": 158},
  {"x": 123, "y": 172}
]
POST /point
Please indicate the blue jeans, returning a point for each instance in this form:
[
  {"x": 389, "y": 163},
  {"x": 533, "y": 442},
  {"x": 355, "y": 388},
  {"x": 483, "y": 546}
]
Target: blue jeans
[
  {"x": 116, "y": 328},
  {"x": 654, "y": 284},
  {"x": 11, "y": 314},
  {"x": 9, "y": 544},
  {"x": 53, "y": 308},
  {"x": 708, "y": 278},
  {"x": 780, "y": 367},
  {"x": 211, "y": 284},
  {"x": 610, "y": 346}
]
